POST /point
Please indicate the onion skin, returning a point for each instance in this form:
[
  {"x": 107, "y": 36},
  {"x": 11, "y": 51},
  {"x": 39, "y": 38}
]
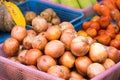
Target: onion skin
[
  {"x": 42, "y": 34},
  {"x": 90, "y": 40},
  {"x": 21, "y": 56},
  {"x": 39, "y": 24},
  {"x": 67, "y": 59},
  {"x": 82, "y": 64},
  {"x": 45, "y": 62},
  {"x": 76, "y": 76},
  {"x": 59, "y": 71},
  {"x": 66, "y": 25},
  {"x": 32, "y": 55},
  {"x": 54, "y": 48},
  {"x": 67, "y": 36},
  {"x": 94, "y": 69},
  {"x": 80, "y": 46},
  {"x": 108, "y": 63},
  {"x": 113, "y": 54},
  {"x": 53, "y": 33},
  {"x": 39, "y": 42},
  {"x": 19, "y": 33},
  {"x": 27, "y": 42},
  {"x": 98, "y": 52},
  {"x": 11, "y": 46},
  {"x": 31, "y": 32}
]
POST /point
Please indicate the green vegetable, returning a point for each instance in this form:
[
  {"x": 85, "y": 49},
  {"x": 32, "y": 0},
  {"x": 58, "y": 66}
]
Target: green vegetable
[
  {"x": 85, "y": 3},
  {"x": 56, "y": 1},
  {"x": 93, "y": 1},
  {"x": 72, "y": 3}
]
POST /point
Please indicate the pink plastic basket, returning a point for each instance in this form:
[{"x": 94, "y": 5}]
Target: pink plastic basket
[
  {"x": 88, "y": 12},
  {"x": 10, "y": 70}
]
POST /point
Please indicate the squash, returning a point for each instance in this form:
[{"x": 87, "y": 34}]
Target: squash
[{"x": 10, "y": 15}]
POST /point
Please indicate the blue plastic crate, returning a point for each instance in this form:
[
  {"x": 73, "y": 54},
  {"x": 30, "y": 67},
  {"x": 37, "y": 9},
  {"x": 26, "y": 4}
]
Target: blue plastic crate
[
  {"x": 78, "y": 25},
  {"x": 39, "y": 6}
]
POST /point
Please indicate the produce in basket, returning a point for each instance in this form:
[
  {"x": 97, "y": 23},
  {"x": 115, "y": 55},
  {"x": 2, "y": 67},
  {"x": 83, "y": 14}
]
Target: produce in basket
[
  {"x": 53, "y": 32},
  {"x": 19, "y": 33},
  {"x": 39, "y": 24},
  {"x": 69, "y": 56},
  {"x": 108, "y": 8},
  {"x": 11, "y": 46},
  {"x": 59, "y": 71},
  {"x": 95, "y": 69},
  {"x": 76, "y": 76},
  {"x": 45, "y": 62},
  {"x": 29, "y": 16},
  {"x": 10, "y": 16},
  {"x": 102, "y": 29},
  {"x": 50, "y": 16}
]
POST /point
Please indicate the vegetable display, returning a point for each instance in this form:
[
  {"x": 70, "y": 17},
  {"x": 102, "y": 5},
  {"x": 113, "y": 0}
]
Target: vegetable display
[
  {"x": 79, "y": 4},
  {"x": 56, "y": 48},
  {"x": 10, "y": 16},
  {"x": 60, "y": 51}
]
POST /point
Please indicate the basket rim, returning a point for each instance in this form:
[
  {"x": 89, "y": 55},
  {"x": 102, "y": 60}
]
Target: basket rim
[{"x": 81, "y": 14}]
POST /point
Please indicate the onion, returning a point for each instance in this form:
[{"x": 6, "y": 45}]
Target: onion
[
  {"x": 76, "y": 76},
  {"x": 67, "y": 59},
  {"x": 90, "y": 40},
  {"x": 21, "y": 56},
  {"x": 59, "y": 71},
  {"x": 18, "y": 32},
  {"x": 53, "y": 33},
  {"x": 42, "y": 34},
  {"x": 39, "y": 24},
  {"x": 82, "y": 64},
  {"x": 113, "y": 53},
  {"x": 31, "y": 32},
  {"x": 108, "y": 63},
  {"x": 67, "y": 36},
  {"x": 32, "y": 55},
  {"x": 94, "y": 69},
  {"x": 54, "y": 48},
  {"x": 45, "y": 62},
  {"x": 11, "y": 46},
  {"x": 39, "y": 42},
  {"x": 80, "y": 46},
  {"x": 98, "y": 52},
  {"x": 65, "y": 25},
  {"x": 27, "y": 42}
]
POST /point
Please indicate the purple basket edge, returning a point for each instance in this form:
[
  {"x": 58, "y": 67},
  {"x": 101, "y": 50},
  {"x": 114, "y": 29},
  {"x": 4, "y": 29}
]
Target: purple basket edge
[
  {"x": 29, "y": 69},
  {"x": 108, "y": 72},
  {"x": 101, "y": 76}
]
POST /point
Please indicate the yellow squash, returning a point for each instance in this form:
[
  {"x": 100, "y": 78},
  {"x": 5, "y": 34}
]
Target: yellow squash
[{"x": 15, "y": 13}]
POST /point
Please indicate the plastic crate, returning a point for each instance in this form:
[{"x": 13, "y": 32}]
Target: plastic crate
[
  {"x": 88, "y": 12},
  {"x": 111, "y": 74},
  {"x": 15, "y": 71},
  {"x": 38, "y": 6}
]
